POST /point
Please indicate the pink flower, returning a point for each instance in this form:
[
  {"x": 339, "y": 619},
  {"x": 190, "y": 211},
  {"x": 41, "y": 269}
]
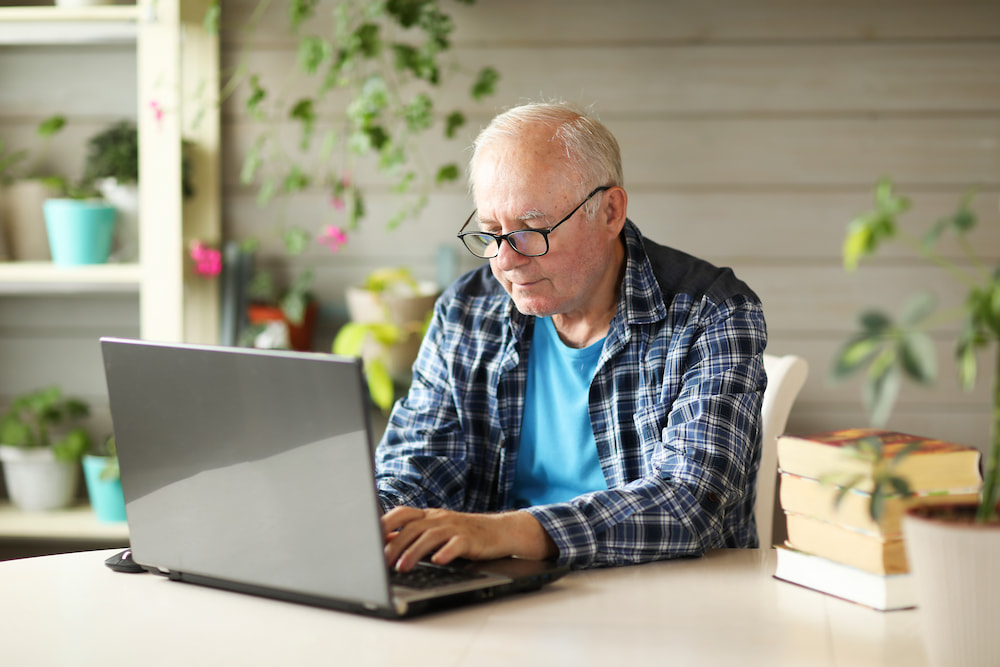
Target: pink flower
[
  {"x": 207, "y": 261},
  {"x": 333, "y": 237},
  {"x": 157, "y": 109}
]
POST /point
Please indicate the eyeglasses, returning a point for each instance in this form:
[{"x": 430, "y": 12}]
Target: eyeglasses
[{"x": 527, "y": 242}]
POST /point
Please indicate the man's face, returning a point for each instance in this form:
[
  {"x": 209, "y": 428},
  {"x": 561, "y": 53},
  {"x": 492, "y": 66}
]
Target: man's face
[{"x": 524, "y": 185}]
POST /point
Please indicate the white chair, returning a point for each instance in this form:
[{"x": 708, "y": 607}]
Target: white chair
[{"x": 785, "y": 377}]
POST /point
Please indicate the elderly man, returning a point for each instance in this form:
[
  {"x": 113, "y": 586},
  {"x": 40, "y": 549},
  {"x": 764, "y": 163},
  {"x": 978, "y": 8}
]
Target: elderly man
[{"x": 597, "y": 400}]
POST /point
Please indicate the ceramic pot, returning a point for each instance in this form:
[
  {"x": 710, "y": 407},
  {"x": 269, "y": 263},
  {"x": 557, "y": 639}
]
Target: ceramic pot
[
  {"x": 404, "y": 311},
  {"x": 36, "y": 481},
  {"x": 105, "y": 495},
  {"x": 21, "y": 205},
  {"x": 80, "y": 231},
  {"x": 295, "y": 336},
  {"x": 125, "y": 198},
  {"x": 957, "y": 581}
]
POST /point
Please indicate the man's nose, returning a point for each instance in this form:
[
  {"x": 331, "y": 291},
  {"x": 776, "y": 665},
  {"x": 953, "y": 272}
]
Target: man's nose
[{"x": 508, "y": 258}]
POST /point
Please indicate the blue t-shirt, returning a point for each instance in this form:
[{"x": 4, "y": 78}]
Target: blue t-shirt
[{"x": 557, "y": 458}]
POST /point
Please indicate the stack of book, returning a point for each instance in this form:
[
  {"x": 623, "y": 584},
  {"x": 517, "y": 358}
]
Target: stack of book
[{"x": 837, "y": 548}]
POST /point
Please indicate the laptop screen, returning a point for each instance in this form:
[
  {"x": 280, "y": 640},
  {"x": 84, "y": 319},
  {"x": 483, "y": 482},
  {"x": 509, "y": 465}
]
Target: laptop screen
[{"x": 251, "y": 466}]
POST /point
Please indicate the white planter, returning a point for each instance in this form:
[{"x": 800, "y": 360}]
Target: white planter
[
  {"x": 406, "y": 312},
  {"x": 125, "y": 199},
  {"x": 957, "y": 577},
  {"x": 36, "y": 481}
]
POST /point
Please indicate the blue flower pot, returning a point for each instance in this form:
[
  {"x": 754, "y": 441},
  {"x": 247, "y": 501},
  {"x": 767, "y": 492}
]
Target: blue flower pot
[
  {"x": 105, "y": 494},
  {"x": 80, "y": 230}
]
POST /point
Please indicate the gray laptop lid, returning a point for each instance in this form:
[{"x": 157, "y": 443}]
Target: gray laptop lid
[{"x": 248, "y": 466}]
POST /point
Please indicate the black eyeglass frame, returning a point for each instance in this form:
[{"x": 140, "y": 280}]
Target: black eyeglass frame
[{"x": 500, "y": 238}]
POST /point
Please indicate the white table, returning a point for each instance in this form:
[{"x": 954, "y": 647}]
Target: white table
[{"x": 723, "y": 609}]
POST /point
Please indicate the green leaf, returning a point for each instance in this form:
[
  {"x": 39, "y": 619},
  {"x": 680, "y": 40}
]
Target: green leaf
[
  {"x": 257, "y": 95},
  {"x": 210, "y": 22},
  {"x": 350, "y": 340},
  {"x": 452, "y": 123},
  {"x": 266, "y": 191},
  {"x": 379, "y": 384},
  {"x": 313, "y": 52},
  {"x": 881, "y": 391},
  {"x": 917, "y": 308},
  {"x": 73, "y": 446},
  {"x": 875, "y": 322},
  {"x": 296, "y": 180},
  {"x": 447, "y": 173},
  {"x": 485, "y": 83},
  {"x": 855, "y": 354},
  {"x": 419, "y": 113},
  {"x": 293, "y": 306},
  {"x": 251, "y": 163},
  {"x": 50, "y": 126},
  {"x": 304, "y": 112},
  {"x": 296, "y": 240},
  {"x": 300, "y": 11},
  {"x": 918, "y": 357}
]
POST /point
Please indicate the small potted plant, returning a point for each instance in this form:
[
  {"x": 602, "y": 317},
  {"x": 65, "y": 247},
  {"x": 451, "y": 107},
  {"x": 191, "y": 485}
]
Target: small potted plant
[
  {"x": 112, "y": 168},
  {"x": 280, "y": 318},
  {"x": 389, "y": 314},
  {"x": 952, "y": 549},
  {"x": 104, "y": 484},
  {"x": 25, "y": 183},
  {"x": 41, "y": 442},
  {"x": 81, "y": 226}
]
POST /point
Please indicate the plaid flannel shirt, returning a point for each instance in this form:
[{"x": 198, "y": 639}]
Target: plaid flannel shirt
[{"x": 674, "y": 404}]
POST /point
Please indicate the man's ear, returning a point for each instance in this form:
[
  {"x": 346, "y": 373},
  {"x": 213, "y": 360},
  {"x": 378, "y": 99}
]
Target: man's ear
[{"x": 615, "y": 205}]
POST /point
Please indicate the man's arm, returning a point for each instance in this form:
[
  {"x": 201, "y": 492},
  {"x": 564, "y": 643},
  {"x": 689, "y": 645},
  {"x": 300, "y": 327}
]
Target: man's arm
[{"x": 701, "y": 452}]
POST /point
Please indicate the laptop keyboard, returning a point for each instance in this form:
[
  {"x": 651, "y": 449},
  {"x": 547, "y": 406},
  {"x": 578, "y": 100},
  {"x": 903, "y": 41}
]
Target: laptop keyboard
[{"x": 428, "y": 575}]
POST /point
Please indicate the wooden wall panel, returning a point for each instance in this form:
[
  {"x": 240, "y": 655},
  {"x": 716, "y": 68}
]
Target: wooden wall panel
[{"x": 752, "y": 131}]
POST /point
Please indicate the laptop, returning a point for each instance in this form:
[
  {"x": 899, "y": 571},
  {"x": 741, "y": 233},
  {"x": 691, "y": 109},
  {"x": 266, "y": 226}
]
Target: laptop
[{"x": 253, "y": 471}]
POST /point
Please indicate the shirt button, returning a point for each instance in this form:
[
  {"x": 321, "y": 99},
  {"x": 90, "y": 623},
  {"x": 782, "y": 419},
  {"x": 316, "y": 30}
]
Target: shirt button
[{"x": 713, "y": 497}]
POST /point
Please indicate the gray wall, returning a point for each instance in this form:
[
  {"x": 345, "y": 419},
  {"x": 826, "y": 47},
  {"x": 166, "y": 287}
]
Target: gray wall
[{"x": 752, "y": 131}]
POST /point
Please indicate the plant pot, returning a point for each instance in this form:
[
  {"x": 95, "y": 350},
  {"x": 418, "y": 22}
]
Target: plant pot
[
  {"x": 405, "y": 311},
  {"x": 105, "y": 495},
  {"x": 21, "y": 205},
  {"x": 298, "y": 336},
  {"x": 36, "y": 480},
  {"x": 954, "y": 567},
  {"x": 80, "y": 230},
  {"x": 125, "y": 198}
]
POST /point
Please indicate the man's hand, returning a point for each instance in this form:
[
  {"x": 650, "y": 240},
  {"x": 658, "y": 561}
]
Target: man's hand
[{"x": 411, "y": 534}]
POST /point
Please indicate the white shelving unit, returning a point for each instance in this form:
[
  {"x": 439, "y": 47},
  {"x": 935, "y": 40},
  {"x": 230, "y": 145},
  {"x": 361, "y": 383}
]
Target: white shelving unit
[{"x": 176, "y": 59}]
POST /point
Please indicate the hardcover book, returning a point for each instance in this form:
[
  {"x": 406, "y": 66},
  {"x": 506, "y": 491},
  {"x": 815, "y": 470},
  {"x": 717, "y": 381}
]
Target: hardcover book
[
  {"x": 881, "y": 592},
  {"x": 933, "y": 465},
  {"x": 803, "y": 495},
  {"x": 866, "y": 551}
]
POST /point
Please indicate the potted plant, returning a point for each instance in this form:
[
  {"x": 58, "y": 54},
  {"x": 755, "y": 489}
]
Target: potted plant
[
  {"x": 389, "y": 314},
  {"x": 41, "y": 443},
  {"x": 104, "y": 484},
  {"x": 80, "y": 225},
  {"x": 951, "y": 549},
  {"x": 281, "y": 318},
  {"x": 24, "y": 186},
  {"x": 112, "y": 167}
]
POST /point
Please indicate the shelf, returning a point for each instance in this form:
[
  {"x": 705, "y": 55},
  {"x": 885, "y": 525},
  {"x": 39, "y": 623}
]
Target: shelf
[
  {"x": 47, "y": 278},
  {"x": 58, "y": 25},
  {"x": 74, "y": 523}
]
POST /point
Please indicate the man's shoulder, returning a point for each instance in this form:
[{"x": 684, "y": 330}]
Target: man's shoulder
[{"x": 678, "y": 272}]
